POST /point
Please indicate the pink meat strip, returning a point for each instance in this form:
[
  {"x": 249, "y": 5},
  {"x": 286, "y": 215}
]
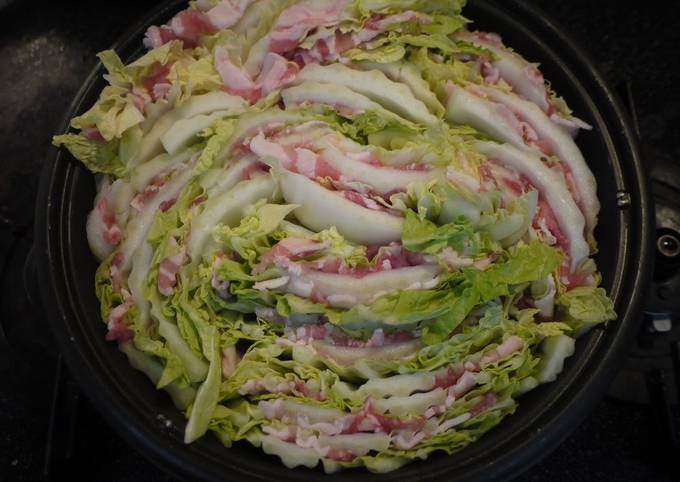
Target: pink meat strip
[
  {"x": 330, "y": 48},
  {"x": 111, "y": 232},
  {"x": 116, "y": 324},
  {"x": 507, "y": 180},
  {"x": 297, "y": 21},
  {"x": 297, "y": 159},
  {"x": 188, "y": 25},
  {"x": 167, "y": 271},
  {"x": 276, "y": 72}
]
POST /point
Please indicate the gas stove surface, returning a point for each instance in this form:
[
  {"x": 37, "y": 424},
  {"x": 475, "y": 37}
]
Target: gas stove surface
[{"x": 49, "y": 431}]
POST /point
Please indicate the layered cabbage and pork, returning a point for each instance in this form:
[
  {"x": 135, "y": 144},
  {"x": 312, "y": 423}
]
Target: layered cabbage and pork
[{"x": 347, "y": 232}]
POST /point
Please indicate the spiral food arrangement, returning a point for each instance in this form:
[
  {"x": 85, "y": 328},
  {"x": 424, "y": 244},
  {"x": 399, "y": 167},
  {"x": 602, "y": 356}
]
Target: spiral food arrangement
[{"x": 348, "y": 232}]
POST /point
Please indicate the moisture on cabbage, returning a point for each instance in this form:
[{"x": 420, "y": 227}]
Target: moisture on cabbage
[{"x": 350, "y": 233}]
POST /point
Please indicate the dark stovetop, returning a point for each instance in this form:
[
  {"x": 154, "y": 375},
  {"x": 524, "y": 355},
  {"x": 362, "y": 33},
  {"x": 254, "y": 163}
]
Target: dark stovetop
[{"x": 46, "y": 51}]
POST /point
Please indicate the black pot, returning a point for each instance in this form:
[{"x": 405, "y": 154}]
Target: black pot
[{"x": 148, "y": 420}]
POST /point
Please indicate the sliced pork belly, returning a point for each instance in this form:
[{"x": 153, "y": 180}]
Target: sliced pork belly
[
  {"x": 323, "y": 153},
  {"x": 551, "y": 188},
  {"x": 290, "y": 28},
  {"x": 139, "y": 226},
  {"x": 524, "y": 77},
  {"x": 278, "y": 152},
  {"x": 555, "y": 141},
  {"x": 106, "y": 222},
  {"x": 382, "y": 180},
  {"x": 224, "y": 13},
  {"x": 188, "y": 25},
  {"x": 276, "y": 72},
  {"x": 508, "y": 118}
]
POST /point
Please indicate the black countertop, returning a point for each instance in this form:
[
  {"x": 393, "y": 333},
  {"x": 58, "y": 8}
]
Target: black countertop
[{"x": 46, "y": 51}]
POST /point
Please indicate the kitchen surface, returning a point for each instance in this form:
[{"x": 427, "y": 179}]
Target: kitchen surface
[{"x": 47, "y": 49}]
